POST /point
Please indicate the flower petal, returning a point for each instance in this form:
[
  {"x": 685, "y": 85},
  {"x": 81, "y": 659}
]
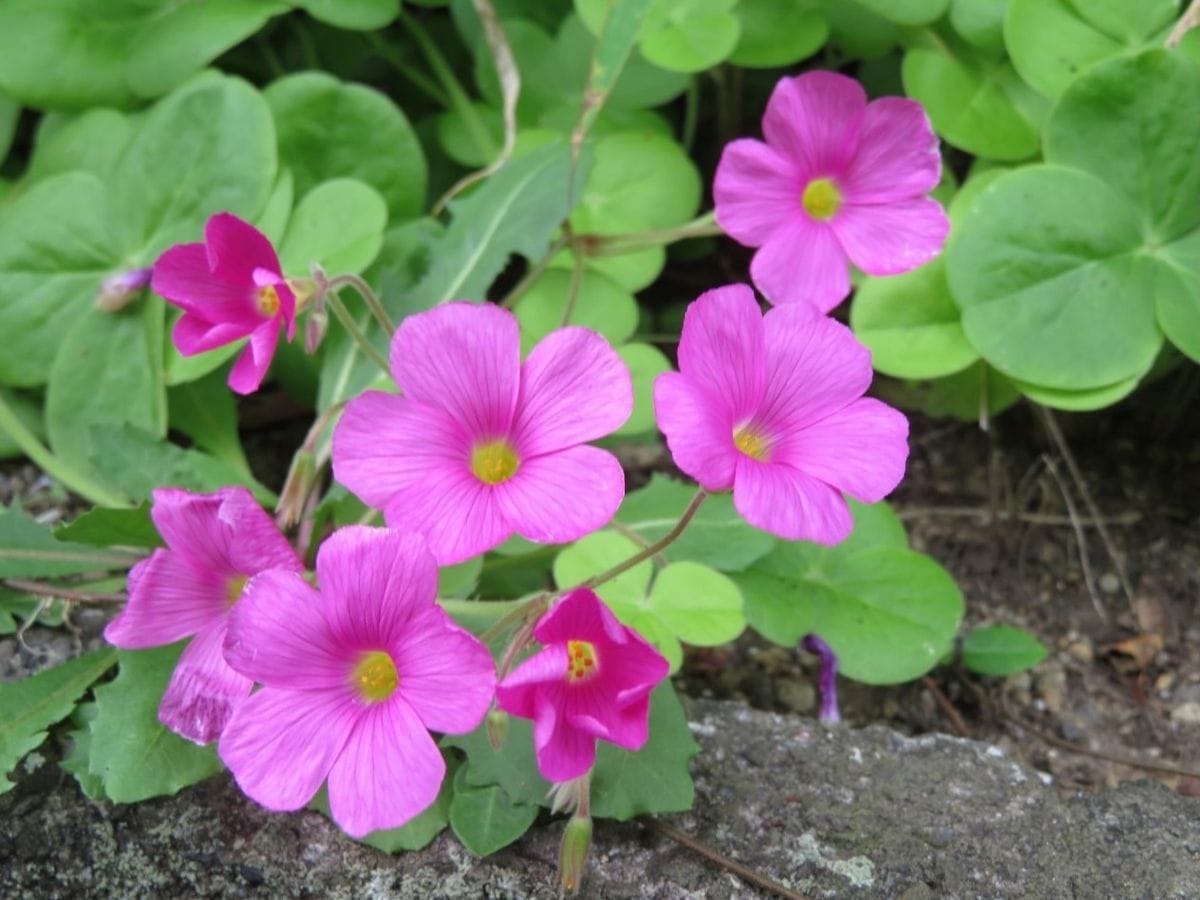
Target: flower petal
[
  {"x": 182, "y": 275},
  {"x": 280, "y": 745},
  {"x": 256, "y": 544},
  {"x": 721, "y": 347},
  {"x": 860, "y": 449},
  {"x": 897, "y": 154},
  {"x": 560, "y": 497},
  {"x": 193, "y": 334},
  {"x": 384, "y": 443},
  {"x": 817, "y": 367},
  {"x": 592, "y": 709},
  {"x": 786, "y": 502},
  {"x": 464, "y": 358},
  {"x": 458, "y": 514},
  {"x": 252, "y": 365},
  {"x": 802, "y": 262},
  {"x": 815, "y": 118},
  {"x": 574, "y": 389},
  {"x": 698, "y": 428},
  {"x": 755, "y": 189},
  {"x": 546, "y": 670},
  {"x": 563, "y": 751},
  {"x": 204, "y": 691},
  {"x": 374, "y": 582},
  {"x": 892, "y": 238},
  {"x": 278, "y": 636},
  {"x": 236, "y": 248},
  {"x": 169, "y": 599},
  {"x": 388, "y": 772},
  {"x": 446, "y": 675},
  {"x": 581, "y": 615}
]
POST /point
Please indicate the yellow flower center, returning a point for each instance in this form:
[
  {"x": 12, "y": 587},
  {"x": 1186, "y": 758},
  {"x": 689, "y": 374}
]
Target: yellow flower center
[
  {"x": 234, "y": 588},
  {"x": 822, "y": 199},
  {"x": 581, "y": 661},
  {"x": 267, "y": 300},
  {"x": 375, "y": 677},
  {"x": 494, "y": 462},
  {"x": 752, "y": 442}
]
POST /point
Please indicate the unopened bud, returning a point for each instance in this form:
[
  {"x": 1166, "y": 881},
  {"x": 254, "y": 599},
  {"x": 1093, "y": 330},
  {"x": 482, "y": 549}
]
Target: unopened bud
[
  {"x": 296, "y": 489},
  {"x": 116, "y": 291},
  {"x": 827, "y": 680},
  {"x": 497, "y": 728},
  {"x": 572, "y": 860},
  {"x": 315, "y": 327}
]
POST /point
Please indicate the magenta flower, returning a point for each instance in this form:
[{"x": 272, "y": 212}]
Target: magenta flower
[
  {"x": 772, "y": 406},
  {"x": 215, "y": 543},
  {"x": 353, "y": 679},
  {"x": 229, "y": 287},
  {"x": 480, "y": 445},
  {"x": 592, "y": 680},
  {"x": 837, "y": 178}
]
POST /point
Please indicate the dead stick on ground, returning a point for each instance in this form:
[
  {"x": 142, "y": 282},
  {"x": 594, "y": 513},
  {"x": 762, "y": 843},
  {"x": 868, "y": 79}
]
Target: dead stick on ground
[
  {"x": 943, "y": 702},
  {"x": 1085, "y": 563},
  {"x": 1056, "y": 435},
  {"x": 1187, "y": 21},
  {"x": 1031, "y": 518},
  {"x": 719, "y": 859}
]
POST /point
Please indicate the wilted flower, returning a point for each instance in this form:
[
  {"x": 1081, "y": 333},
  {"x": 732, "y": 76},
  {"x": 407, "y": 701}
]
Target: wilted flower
[
  {"x": 480, "y": 445},
  {"x": 837, "y": 178},
  {"x": 215, "y": 542},
  {"x": 591, "y": 681},
  {"x": 229, "y": 287},
  {"x": 772, "y": 407},
  {"x": 353, "y": 677}
]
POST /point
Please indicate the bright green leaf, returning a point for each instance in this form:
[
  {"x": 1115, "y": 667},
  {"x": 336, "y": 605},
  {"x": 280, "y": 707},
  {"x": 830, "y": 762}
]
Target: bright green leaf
[
  {"x": 778, "y": 32},
  {"x": 601, "y": 305},
  {"x": 689, "y": 35},
  {"x": 91, "y": 141},
  {"x": 980, "y": 22},
  {"x": 698, "y": 604},
  {"x": 907, "y": 12},
  {"x": 33, "y": 704},
  {"x": 598, "y": 552},
  {"x": 361, "y": 15},
  {"x": 1001, "y": 650},
  {"x": 338, "y": 224},
  {"x": 964, "y": 395},
  {"x": 459, "y": 581},
  {"x": 646, "y": 362}
]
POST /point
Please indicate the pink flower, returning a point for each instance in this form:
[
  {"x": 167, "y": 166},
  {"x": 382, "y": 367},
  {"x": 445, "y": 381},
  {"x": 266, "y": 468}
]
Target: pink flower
[
  {"x": 229, "y": 287},
  {"x": 837, "y": 178},
  {"x": 353, "y": 678},
  {"x": 215, "y": 543},
  {"x": 772, "y": 406},
  {"x": 481, "y": 445},
  {"x": 592, "y": 680}
]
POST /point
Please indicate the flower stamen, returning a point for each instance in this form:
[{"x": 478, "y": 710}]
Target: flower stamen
[
  {"x": 234, "y": 588},
  {"x": 494, "y": 462},
  {"x": 266, "y": 299},
  {"x": 375, "y": 677},
  {"x": 822, "y": 199},
  {"x": 752, "y": 442},
  {"x": 581, "y": 661}
]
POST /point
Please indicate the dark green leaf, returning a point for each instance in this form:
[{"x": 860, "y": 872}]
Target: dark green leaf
[
  {"x": 486, "y": 818},
  {"x": 1001, "y": 650},
  {"x": 113, "y": 528},
  {"x": 27, "y": 550}
]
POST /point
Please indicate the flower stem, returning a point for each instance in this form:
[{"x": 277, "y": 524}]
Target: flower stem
[
  {"x": 575, "y": 284},
  {"x": 617, "y": 244},
  {"x": 369, "y": 297},
  {"x": 827, "y": 680},
  {"x": 40, "y": 454},
  {"x": 654, "y": 549},
  {"x": 343, "y": 314},
  {"x": 518, "y": 291}
]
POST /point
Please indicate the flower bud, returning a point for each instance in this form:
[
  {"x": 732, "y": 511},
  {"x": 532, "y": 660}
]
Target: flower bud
[
  {"x": 497, "y": 728},
  {"x": 296, "y": 489},
  {"x": 572, "y": 860},
  {"x": 116, "y": 291},
  {"x": 315, "y": 327},
  {"x": 827, "y": 680}
]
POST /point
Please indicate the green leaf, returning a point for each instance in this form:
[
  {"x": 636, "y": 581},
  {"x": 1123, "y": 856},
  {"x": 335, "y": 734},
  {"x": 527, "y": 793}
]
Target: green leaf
[
  {"x": 889, "y": 613},
  {"x": 615, "y": 41},
  {"x": 646, "y": 362},
  {"x": 601, "y": 305},
  {"x": 689, "y": 35},
  {"x": 1079, "y": 401},
  {"x": 1134, "y": 123},
  {"x": 980, "y": 22},
  {"x": 697, "y": 604},
  {"x": 27, "y": 550},
  {"x": 640, "y": 85},
  {"x": 1052, "y": 41},
  {"x": 91, "y": 141},
  {"x": 1050, "y": 271},
  {"x": 76, "y": 760},
  {"x": 70, "y": 54},
  {"x": 778, "y": 33},
  {"x": 10, "y": 111},
  {"x": 964, "y": 395},
  {"x": 598, "y": 552},
  {"x": 361, "y": 15},
  {"x": 717, "y": 536},
  {"x": 112, "y": 528},
  {"x": 907, "y": 12},
  {"x": 108, "y": 371},
  {"x": 486, "y": 818},
  {"x": 206, "y": 411},
  {"x": 332, "y": 129},
  {"x": 979, "y": 106},
  {"x": 338, "y": 224},
  {"x": 459, "y": 581},
  {"x": 33, "y": 704},
  {"x": 134, "y": 755},
  {"x": 28, "y": 411},
  {"x": 1178, "y": 307},
  {"x": 136, "y": 462},
  {"x": 1001, "y": 650}
]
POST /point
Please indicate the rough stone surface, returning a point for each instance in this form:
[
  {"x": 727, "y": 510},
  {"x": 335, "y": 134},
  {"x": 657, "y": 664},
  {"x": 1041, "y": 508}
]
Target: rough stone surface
[{"x": 827, "y": 812}]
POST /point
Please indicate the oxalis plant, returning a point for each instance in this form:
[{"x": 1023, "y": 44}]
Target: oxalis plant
[{"x": 454, "y": 612}]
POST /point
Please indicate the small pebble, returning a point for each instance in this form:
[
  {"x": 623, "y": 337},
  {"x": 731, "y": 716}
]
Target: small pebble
[
  {"x": 1109, "y": 583},
  {"x": 1051, "y": 688},
  {"x": 1186, "y": 714},
  {"x": 1082, "y": 650}
]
